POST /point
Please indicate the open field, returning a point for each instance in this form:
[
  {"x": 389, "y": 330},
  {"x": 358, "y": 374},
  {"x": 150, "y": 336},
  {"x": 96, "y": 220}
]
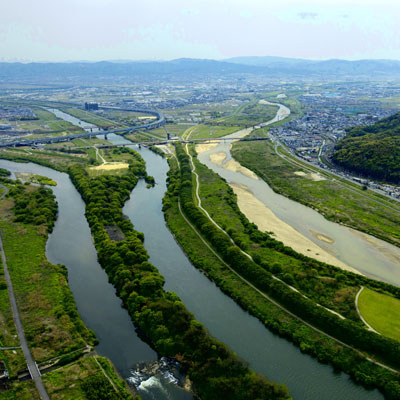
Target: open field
[
  {"x": 212, "y": 131},
  {"x": 381, "y": 311}
]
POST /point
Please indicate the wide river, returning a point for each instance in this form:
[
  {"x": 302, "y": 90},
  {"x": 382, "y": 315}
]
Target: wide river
[
  {"x": 71, "y": 244},
  {"x": 364, "y": 253}
]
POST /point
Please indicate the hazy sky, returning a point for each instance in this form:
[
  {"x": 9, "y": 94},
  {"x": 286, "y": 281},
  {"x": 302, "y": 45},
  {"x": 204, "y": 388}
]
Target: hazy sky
[{"x": 59, "y": 30}]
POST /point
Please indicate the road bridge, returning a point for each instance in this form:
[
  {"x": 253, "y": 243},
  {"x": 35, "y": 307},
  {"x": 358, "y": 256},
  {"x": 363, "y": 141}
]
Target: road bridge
[
  {"x": 171, "y": 141},
  {"x": 67, "y": 138}
]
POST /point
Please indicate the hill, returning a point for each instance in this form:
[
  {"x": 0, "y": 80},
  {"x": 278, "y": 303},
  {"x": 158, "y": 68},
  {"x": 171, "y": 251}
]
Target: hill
[{"x": 373, "y": 151}]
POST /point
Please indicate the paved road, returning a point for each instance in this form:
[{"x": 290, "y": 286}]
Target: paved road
[{"x": 33, "y": 369}]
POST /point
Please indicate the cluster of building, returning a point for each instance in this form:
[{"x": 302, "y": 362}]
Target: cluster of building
[
  {"x": 16, "y": 113},
  {"x": 326, "y": 117}
]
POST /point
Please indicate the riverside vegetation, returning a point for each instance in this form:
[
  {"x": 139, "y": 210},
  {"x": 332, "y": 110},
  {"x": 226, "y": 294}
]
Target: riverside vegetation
[
  {"x": 271, "y": 257},
  {"x": 163, "y": 319},
  {"x": 53, "y": 328}
]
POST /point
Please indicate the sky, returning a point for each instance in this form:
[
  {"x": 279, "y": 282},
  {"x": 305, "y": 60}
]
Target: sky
[{"x": 94, "y": 30}]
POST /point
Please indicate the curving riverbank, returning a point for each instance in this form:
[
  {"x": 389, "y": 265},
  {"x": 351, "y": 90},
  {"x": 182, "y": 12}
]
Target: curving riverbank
[{"x": 346, "y": 248}]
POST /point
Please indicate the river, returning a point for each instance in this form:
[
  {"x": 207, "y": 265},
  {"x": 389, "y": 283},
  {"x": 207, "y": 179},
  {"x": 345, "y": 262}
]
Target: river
[
  {"x": 266, "y": 352},
  {"x": 86, "y": 126},
  {"x": 70, "y": 244},
  {"x": 370, "y": 256}
]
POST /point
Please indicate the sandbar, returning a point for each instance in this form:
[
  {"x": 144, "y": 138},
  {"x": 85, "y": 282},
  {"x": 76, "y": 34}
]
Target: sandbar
[
  {"x": 203, "y": 147},
  {"x": 111, "y": 166},
  {"x": 234, "y": 166},
  {"x": 258, "y": 213},
  {"x": 218, "y": 158}
]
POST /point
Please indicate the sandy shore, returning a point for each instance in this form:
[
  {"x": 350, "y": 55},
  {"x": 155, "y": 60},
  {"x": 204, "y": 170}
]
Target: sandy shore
[
  {"x": 267, "y": 221},
  {"x": 218, "y": 158},
  {"x": 111, "y": 166},
  {"x": 234, "y": 166},
  {"x": 203, "y": 147}
]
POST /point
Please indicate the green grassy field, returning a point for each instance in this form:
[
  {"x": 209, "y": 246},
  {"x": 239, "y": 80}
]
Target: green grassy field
[
  {"x": 381, "y": 311},
  {"x": 212, "y": 131}
]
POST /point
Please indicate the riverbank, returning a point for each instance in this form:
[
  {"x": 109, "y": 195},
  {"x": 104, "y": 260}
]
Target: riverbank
[
  {"x": 258, "y": 213},
  {"x": 254, "y": 274},
  {"x": 374, "y": 257}
]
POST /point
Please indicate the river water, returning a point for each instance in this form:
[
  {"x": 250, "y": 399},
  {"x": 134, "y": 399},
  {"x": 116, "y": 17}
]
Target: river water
[
  {"x": 267, "y": 353},
  {"x": 88, "y": 127},
  {"x": 70, "y": 244},
  {"x": 367, "y": 254}
]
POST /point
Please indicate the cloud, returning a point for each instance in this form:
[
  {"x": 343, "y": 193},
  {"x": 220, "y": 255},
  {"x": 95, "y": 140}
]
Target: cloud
[{"x": 307, "y": 15}]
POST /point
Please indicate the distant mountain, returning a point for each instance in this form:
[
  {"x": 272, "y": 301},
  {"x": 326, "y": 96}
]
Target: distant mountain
[
  {"x": 264, "y": 61},
  {"x": 373, "y": 151},
  {"x": 331, "y": 67},
  {"x": 277, "y": 67},
  {"x": 115, "y": 70}
]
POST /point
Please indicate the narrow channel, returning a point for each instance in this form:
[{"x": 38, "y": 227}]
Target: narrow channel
[
  {"x": 266, "y": 353},
  {"x": 71, "y": 244}
]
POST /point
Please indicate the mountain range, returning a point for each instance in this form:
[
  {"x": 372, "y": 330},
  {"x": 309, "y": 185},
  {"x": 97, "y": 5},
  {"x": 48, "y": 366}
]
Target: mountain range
[{"x": 269, "y": 66}]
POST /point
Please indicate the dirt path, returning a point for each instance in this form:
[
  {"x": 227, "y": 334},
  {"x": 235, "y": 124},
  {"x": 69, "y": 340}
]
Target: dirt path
[{"x": 359, "y": 313}]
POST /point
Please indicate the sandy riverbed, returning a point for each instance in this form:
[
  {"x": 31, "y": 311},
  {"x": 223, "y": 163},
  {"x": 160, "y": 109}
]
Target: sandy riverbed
[
  {"x": 218, "y": 158},
  {"x": 267, "y": 221},
  {"x": 234, "y": 166},
  {"x": 203, "y": 147}
]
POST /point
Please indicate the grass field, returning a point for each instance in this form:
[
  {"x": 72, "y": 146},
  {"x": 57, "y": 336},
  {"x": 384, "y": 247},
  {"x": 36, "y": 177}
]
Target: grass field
[
  {"x": 212, "y": 131},
  {"x": 382, "y": 312}
]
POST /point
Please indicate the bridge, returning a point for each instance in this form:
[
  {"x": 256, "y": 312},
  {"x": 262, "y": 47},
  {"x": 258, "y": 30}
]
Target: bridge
[
  {"x": 168, "y": 141},
  {"x": 151, "y": 125}
]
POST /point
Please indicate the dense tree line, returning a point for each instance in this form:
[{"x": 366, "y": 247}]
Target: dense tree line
[
  {"x": 373, "y": 151},
  {"x": 213, "y": 368},
  {"x": 35, "y": 207},
  {"x": 347, "y": 331}
]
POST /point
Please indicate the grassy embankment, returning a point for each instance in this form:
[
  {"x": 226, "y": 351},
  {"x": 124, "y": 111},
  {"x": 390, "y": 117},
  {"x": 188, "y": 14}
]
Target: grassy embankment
[
  {"x": 309, "y": 340},
  {"x": 330, "y": 197},
  {"x": 381, "y": 312},
  {"x": 56, "y": 335}
]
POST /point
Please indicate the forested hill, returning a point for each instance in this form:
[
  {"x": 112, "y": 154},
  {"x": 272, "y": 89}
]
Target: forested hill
[{"x": 373, "y": 151}]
